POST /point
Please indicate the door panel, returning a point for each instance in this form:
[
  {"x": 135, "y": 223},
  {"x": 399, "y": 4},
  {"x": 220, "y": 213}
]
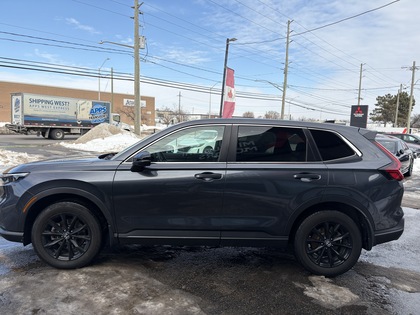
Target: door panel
[
  {"x": 165, "y": 197},
  {"x": 268, "y": 182},
  {"x": 179, "y": 194}
]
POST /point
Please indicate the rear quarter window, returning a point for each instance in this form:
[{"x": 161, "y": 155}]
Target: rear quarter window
[{"x": 331, "y": 146}]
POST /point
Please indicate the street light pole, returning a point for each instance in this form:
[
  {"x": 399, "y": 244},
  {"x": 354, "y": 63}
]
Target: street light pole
[
  {"x": 99, "y": 78},
  {"x": 228, "y": 40},
  {"x": 210, "y": 99},
  {"x": 413, "y": 69}
]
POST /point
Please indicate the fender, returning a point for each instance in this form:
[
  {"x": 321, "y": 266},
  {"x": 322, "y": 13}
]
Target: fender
[
  {"x": 355, "y": 201},
  {"x": 102, "y": 205}
]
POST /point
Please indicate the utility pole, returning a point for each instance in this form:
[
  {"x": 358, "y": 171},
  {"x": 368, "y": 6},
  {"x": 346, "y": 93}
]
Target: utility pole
[
  {"x": 413, "y": 69},
  {"x": 99, "y": 79},
  {"x": 112, "y": 90},
  {"x": 398, "y": 105},
  {"x": 179, "y": 106},
  {"x": 360, "y": 84},
  {"x": 286, "y": 66},
  {"x": 137, "y": 100}
]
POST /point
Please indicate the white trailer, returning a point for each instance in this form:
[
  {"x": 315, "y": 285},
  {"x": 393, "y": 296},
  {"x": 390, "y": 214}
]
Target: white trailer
[{"x": 54, "y": 116}]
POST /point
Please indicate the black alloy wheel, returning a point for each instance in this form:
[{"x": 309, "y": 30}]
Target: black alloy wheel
[
  {"x": 328, "y": 243},
  {"x": 66, "y": 235}
]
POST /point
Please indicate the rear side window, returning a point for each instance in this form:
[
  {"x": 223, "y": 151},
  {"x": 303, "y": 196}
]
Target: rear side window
[
  {"x": 331, "y": 146},
  {"x": 270, "y": 144}
]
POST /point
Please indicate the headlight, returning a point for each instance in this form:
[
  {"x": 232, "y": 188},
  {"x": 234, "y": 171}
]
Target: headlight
[{"x": 10, "y": 178}]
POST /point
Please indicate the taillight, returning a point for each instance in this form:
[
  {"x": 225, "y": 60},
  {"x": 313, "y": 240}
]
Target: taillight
[{"x": 393, "y": 169}]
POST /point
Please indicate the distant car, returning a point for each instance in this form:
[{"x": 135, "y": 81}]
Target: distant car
[
  {"x": 199, "y": 142},
  {"x": 325, "y": 190},
  {"x": 400, "y": 149},
  {"x": 413, "y": 141}
]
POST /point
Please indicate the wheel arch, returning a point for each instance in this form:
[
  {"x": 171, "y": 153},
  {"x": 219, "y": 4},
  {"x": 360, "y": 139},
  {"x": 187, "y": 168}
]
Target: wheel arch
[
  {"x": 46, "y": 198},
  {"x": 357, "y": 215}
]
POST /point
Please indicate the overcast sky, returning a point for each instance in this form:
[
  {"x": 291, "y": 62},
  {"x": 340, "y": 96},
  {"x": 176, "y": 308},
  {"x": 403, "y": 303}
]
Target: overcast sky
[{"x": 186, "y": 43}]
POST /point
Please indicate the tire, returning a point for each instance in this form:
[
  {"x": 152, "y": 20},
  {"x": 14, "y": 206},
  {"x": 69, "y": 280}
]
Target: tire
[
  {"x": 410, "y": 169},
  {"x": 328, "y": 243},
  {"x": 57, "y": 134},
  {"x": 208, "y": 150},
  {"x": 66, "y": 235}
]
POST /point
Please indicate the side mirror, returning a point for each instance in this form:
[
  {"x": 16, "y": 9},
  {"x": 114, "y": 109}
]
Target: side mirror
[
  {"x": 141, "y": 161},
  {"x": 401, "y": 151}
]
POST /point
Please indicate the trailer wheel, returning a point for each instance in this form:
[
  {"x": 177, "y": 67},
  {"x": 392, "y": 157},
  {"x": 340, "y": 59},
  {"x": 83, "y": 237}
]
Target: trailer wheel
[{"x": 57, "y": 134}]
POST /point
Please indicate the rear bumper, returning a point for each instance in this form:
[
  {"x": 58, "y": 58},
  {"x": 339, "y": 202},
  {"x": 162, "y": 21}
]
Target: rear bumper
[{"x": 391, "y": 234}]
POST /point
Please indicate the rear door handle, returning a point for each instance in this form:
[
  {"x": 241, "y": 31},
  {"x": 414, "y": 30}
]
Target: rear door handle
[
  {"x": 307, "y": 177},
  {"x": 208, "y": 176}
]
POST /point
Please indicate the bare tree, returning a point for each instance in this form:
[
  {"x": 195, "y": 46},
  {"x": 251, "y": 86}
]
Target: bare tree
[
  {"x": 415, "y": 121},
  {"x": 248, "y": 115},
  {"x": 180, "y": 114},
  {"x": 129, "y": 112},
  {"x": 272, "y": 115},
  {"x": 166, "y": 116}
]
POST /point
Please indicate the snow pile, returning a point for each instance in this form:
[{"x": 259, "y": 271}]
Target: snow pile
[
  {"x": 10, "y": 158},
  {"x": 101, "y": 131},
  {"x": 103, "y": 138}
]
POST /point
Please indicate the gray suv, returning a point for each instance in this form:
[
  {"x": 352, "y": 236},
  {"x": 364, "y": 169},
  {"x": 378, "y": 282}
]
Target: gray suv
[{"x": 326, "y": 190}]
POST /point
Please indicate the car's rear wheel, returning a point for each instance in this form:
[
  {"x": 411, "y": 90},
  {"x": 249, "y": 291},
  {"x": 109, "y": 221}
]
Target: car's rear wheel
[
  {"x": 328, "y": 243},
  {"x": 410, "y": 169},
  {"x": 66, "y": 235}
]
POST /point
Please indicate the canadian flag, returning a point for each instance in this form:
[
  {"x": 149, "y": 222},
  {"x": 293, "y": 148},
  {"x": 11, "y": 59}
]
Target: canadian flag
[{"x": 229, "y": 97}]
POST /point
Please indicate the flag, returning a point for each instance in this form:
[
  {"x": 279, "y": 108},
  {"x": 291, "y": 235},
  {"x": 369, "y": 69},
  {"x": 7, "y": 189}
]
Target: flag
[{"x": 229, "y": 97}]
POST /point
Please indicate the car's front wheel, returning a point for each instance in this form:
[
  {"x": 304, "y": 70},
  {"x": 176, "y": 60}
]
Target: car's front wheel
[
  {"x": 328, "y": 243},
  {"x": 208, "y": 150},
  {"x": 66, "y": 235}
]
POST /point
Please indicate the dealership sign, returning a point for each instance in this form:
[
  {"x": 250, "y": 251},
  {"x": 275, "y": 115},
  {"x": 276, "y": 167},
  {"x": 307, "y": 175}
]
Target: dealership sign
[
  {"x": 359, "y": 114},
  {"x": 130, "y": 102}
]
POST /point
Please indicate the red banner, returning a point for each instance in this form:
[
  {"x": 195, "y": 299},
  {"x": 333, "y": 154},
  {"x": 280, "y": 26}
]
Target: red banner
[{"x": 229, "y": 97}]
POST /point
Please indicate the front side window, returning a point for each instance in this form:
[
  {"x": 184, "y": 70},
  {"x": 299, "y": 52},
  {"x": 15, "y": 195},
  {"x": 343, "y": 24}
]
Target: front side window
[
  {"x": 195, "y": 144},
  {"x": 270, "y": 144}
]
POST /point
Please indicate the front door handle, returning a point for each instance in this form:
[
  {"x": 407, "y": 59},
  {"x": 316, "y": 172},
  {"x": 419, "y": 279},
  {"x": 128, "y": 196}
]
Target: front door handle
[
  {"x": 307, "y": 177},
  {"x": 208, "y": 176}
]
